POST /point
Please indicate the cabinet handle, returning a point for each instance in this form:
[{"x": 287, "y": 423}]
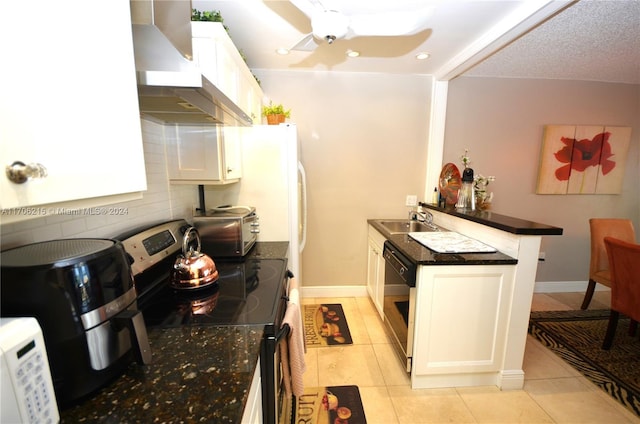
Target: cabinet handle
[
  {"x": 229, "y": 170},
  {"x": 19, "y": 173}
]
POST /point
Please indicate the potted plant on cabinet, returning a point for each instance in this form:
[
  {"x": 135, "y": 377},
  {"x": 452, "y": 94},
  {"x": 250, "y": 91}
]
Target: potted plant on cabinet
[{"x": 276, "y": 114}]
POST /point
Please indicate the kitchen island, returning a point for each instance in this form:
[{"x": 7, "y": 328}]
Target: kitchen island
[
  {"x": 471, "y": 309},
  {"x": 198, "y": 373}
]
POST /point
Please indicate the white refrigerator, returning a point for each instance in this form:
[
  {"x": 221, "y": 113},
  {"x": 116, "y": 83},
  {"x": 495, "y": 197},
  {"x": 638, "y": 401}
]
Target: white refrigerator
[{"x": 273, "y": 180}]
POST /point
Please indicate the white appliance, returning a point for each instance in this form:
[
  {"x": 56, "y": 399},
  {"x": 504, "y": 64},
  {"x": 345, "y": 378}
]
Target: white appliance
[
  {"x": 273, "y": 180},
  {"x": 27, "y": 388}
]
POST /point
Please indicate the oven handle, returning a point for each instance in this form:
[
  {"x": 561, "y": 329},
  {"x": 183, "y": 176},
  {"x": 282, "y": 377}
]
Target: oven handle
[
  {"x": 283, "y": 332},
  {"x": 285, "y": 329}
]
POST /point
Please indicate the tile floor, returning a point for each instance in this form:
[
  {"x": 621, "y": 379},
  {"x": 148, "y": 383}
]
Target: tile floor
[{"x": 553, "y": 393}]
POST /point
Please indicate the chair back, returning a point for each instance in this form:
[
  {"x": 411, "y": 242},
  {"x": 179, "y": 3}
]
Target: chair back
[
  {"x": 624, "y": 259},
  {"x": 619, "y": 228}
]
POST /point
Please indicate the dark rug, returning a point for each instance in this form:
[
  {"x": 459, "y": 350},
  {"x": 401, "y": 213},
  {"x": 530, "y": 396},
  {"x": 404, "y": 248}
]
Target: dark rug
[
  {"x": 577, "y": 336},
  {"x": 325, "y": 325},
  {"x": 330, "y": 405}
]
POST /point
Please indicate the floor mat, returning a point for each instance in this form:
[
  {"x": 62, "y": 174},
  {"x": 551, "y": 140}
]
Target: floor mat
[
  {"x": 326, "y": 325},
  {"x": 330, "y": 405},
  {"x": 577, "y": 336}
]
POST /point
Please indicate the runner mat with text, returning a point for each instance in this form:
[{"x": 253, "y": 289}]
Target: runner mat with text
[{"x": 326, "y": 325}]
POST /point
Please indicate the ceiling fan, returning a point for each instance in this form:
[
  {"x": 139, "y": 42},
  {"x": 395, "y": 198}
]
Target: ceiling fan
[{"x": 333, "y": 20}]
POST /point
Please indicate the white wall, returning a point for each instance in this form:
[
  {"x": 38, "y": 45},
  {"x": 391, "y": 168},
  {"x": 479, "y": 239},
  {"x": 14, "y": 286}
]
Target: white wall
[
  {"x": 160, "y": 202},
  {"x": 501, "y": 121}
]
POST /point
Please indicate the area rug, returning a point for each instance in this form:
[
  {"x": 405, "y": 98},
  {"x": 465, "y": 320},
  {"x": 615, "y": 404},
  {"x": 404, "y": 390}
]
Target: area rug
[
  {"x": 577, "y": 336},
  {"x": 330, "y": 405},
  {"x": 325, "y": 325}
]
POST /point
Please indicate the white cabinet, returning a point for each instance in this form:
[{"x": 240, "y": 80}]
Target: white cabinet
[
  {"x": 203, "y": 154},
  {"x": 461, "y": 325},
  {"x": 222, "y": 64},
  {"x": 375, "y": 270},
  {"x": 69, "y": 101},
  {"x": 253, "y": 409}
]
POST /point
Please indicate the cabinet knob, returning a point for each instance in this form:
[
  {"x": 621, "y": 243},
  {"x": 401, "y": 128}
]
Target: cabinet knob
[
  {"x": 229, "y": 170},
  {"x": 20, "y": 173}
]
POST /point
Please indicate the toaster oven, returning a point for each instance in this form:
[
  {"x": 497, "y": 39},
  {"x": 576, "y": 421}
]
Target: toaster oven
[{"x": 228, "y": 231}]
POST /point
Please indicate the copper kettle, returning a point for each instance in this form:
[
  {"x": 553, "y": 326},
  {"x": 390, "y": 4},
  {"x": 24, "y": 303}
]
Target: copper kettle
[{"x": 192, "y": 268}]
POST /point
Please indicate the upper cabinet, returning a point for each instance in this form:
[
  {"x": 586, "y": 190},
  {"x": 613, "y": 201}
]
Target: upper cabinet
[
  {"x": 203, "y": 154},
  {"x": 69, "y": 101},
  {"x": 222, "y": 64}
]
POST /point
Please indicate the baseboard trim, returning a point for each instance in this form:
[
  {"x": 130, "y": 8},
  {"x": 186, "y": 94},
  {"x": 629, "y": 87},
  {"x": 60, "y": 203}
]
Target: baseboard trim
[
  {"x": 334, "y": 291},
  {"x": 361, "y": 291},
  {"x": 564, "y": 286},
  {"x": 511, "y": 380}
]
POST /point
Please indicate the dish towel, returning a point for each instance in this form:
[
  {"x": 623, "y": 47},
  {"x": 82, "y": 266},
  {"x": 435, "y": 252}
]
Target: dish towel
[{"x": 292, "y": 352}]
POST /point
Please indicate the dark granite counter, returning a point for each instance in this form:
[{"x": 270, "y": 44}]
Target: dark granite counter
[
  {"x": 424, "y": 256},
  {"x": 501, "y": 222},
  {"x": 198, "y": 373}
]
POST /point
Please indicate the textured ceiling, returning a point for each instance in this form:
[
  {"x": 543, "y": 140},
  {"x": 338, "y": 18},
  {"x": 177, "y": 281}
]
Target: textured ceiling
[
  {"x": 588, "y": 40},
  {"x": 591, "y": 40}
]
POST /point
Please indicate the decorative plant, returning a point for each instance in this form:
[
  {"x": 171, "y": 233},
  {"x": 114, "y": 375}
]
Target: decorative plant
[
  {"x": 211, "y": 16},
  {"x": 278, "y": 109}
]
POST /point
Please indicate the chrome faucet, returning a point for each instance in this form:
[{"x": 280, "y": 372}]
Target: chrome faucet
[{"x": 421, "y": 215}]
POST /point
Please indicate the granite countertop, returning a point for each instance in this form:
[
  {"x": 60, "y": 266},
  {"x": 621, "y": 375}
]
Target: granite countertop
[
  {"x": 501, "y": 222},
  {"x": 424, "y": 256},
  {"x": 198, "y": 373}
]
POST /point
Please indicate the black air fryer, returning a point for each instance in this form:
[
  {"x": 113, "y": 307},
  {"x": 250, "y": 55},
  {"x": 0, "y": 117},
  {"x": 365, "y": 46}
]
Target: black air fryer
[{"x": 82, "y": 294}]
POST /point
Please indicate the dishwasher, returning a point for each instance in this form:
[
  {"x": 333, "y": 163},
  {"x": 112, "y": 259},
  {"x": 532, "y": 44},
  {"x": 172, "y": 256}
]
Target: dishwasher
[{"x": 399, "y": 301}]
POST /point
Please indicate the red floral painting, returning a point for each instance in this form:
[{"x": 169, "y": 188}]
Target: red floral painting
[{"x": 583, "y": 159}]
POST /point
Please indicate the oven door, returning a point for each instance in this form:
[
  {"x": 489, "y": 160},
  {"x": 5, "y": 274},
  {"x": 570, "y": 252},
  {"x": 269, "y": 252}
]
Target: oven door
[
  {"x": 399, "y": 302},
  {"x": 277, "y": 406}
]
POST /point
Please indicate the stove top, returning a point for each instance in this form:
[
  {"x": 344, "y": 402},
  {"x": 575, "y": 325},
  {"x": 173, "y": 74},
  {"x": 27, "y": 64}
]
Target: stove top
[
  {"x": 249, "y": 291},
  {"x": 246, "y": 293}
]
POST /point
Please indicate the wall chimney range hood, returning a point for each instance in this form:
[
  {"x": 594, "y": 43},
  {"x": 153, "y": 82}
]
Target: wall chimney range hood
[{"x": 171, "y": 88}]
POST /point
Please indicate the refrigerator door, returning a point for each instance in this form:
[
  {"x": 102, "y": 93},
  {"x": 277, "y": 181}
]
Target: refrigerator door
[{"x": 273, "y": 183}]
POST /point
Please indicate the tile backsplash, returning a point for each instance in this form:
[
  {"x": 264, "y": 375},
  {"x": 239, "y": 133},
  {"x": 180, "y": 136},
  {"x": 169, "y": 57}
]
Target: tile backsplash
[{"x": 162, "y": 201}]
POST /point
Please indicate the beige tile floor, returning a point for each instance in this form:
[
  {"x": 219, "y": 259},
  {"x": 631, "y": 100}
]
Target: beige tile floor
[{"x": 553, "y": 392}]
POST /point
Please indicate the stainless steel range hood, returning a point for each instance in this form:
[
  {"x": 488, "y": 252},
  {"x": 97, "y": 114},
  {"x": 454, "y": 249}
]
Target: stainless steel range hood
[{"x": 171, "y": 88}]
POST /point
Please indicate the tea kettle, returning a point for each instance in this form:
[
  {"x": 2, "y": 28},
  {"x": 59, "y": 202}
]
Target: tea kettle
[{"x": 192, "y": 268}]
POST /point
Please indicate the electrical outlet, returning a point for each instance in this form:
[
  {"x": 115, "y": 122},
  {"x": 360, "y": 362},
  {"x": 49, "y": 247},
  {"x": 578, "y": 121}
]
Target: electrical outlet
[{"x": 412, "y": 200}]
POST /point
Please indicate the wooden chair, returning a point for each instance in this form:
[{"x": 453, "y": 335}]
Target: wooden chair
[
  {"x": 624, "y": 259},
  {"x": 621, "y": 229}
]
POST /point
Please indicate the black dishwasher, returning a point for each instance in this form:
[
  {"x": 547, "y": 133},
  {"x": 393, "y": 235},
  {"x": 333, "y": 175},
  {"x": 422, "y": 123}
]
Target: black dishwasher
[{"x": 399, "y": 301}]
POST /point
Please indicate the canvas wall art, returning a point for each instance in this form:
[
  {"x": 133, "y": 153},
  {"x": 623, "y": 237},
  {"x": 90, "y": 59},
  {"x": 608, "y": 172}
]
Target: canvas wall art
[{"x": 583, "y": 159}]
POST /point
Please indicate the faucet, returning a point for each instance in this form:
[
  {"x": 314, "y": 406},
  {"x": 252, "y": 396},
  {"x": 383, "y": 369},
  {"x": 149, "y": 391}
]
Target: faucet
[{"x": 421, "y": 215}]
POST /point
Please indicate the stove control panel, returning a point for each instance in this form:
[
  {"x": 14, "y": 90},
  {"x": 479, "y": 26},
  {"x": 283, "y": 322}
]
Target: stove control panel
[{"x": 152, "y": 245}]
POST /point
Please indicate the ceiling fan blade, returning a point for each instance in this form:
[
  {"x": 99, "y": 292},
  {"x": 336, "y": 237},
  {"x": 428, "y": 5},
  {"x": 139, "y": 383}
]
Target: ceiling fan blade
[
  {"x": 306, "y": 44},
  {"x": 308, "y": 7},
  {"x": 390, "y": 24}
]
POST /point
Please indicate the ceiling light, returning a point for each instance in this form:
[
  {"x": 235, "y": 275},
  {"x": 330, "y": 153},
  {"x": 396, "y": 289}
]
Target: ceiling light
[
  {"x": 422, "y": 56},
  {"x": 353, "y": 53},
  {"x": 283, "y": 51}
]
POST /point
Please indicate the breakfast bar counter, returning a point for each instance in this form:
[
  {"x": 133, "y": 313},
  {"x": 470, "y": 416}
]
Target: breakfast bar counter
[{"x": 470, "y": 310}]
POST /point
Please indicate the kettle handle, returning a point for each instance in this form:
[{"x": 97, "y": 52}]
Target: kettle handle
[{"x": 186, "y": 238}]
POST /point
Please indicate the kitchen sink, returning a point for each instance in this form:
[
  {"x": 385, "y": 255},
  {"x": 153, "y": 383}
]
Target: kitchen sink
[{"x": 407, "y": 226}]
